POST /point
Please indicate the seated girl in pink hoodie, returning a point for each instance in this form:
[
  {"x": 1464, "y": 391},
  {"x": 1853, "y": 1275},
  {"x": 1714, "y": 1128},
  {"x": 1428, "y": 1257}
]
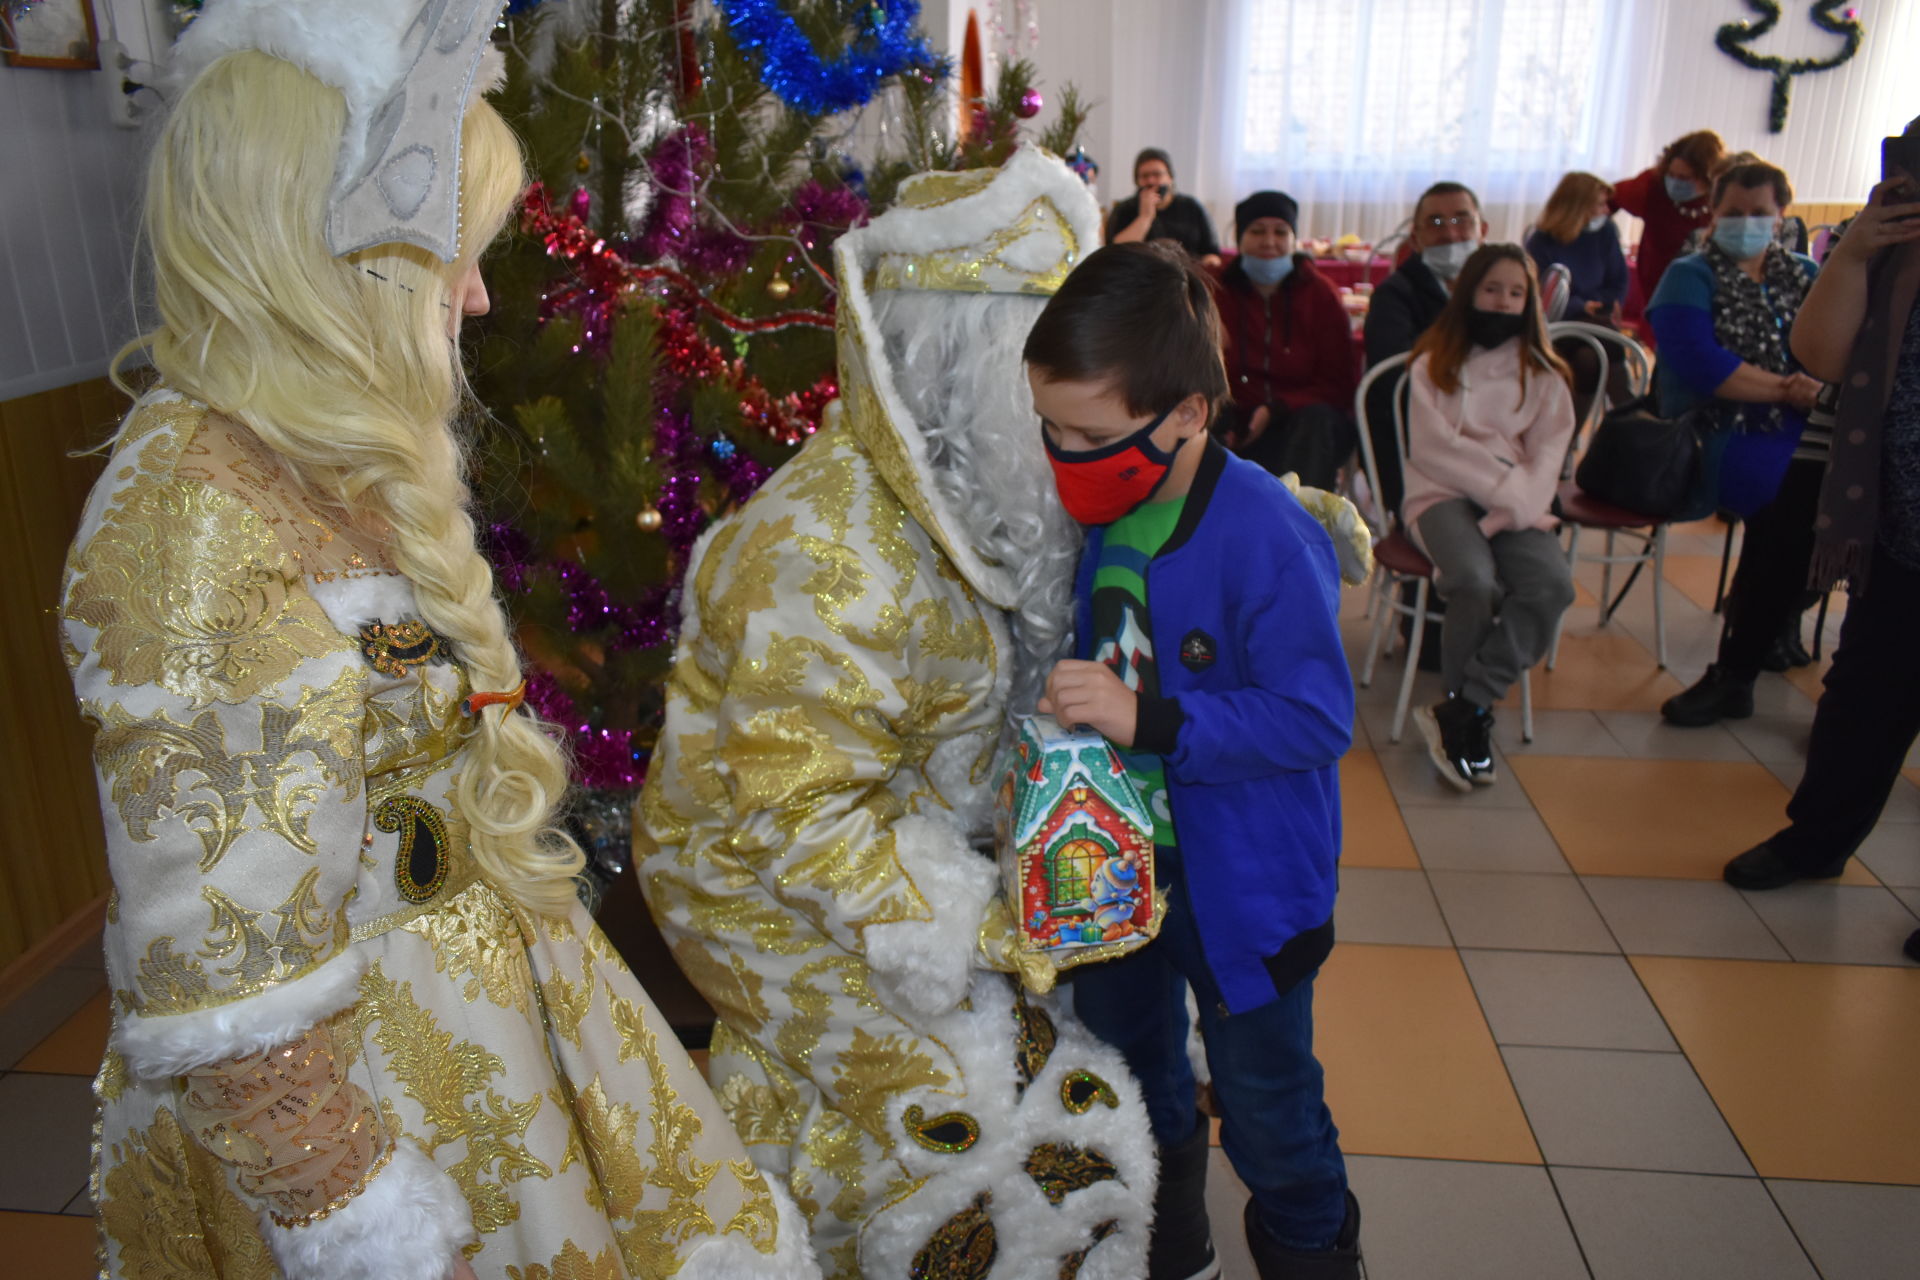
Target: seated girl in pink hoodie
[{"x": 1490, "y": 417}]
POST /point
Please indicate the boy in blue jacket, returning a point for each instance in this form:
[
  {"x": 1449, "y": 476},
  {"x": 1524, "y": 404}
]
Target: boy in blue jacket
[{"x": 1210, "y": 655}]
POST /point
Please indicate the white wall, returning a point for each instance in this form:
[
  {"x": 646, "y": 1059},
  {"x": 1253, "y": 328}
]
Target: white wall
[{"x": 69, "y": 184}]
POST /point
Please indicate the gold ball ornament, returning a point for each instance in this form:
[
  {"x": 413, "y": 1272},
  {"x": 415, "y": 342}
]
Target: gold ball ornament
[
  {"x": 779, "y": 287},
  {"x": 648, "y": 520},
  {"x": 583, "y": 162}
]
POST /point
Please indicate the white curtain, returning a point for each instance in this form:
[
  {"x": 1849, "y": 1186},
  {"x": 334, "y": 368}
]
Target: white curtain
[{"x": 1353, "y": 107}]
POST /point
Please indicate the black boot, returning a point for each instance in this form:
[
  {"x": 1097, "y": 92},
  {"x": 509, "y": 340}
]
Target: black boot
[
  {"x": 1274, "y": 1261},
  {"x": 1765, "y": 867},
  {"x": 1182, "y": 1244},
  {"x": 1459, "y": 740},
  {"x": 1716, "y": 696},
  {"x": 1913, "y": 946}
]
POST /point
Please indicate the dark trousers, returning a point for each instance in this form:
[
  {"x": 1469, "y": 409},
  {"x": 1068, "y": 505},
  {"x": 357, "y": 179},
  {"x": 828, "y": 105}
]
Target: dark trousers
[
  {"x": 1274, "y": 1122},
  {"x": 1868, "y": 717},
  {"x": 1769, "y": 587},
  {"x": 1313, "y": 441}
]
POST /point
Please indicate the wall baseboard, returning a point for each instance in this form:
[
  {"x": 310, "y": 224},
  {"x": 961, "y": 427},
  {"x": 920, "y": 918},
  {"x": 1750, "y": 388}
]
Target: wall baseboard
[{"x": 46, "y": 955}]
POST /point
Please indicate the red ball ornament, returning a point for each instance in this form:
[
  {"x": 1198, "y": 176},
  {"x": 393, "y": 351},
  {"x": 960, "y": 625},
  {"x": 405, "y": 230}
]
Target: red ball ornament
[{"x": 1030, "y": 104}]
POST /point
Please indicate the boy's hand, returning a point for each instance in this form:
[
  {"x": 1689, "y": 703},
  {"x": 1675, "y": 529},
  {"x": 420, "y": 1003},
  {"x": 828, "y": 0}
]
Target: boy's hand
[{"x": 1089, "y": 693}]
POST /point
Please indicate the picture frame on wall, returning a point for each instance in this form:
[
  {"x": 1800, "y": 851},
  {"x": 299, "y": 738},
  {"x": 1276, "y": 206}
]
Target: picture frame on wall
[{"x": 51, "y": 33}]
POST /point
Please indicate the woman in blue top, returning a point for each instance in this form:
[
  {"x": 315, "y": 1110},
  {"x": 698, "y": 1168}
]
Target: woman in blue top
[
  {"x": 1576, "y": 229},
  {"x": 1722, "y": 317}
]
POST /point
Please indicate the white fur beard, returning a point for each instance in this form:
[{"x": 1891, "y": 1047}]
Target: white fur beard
[{"x": 956, "y": 361}]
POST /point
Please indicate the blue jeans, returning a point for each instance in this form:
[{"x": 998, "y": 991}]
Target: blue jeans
[{"x": 1274, "y": 1122}]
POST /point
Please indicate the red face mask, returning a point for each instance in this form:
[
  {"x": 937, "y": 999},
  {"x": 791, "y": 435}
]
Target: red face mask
[{"x": 1098, "y": 486}]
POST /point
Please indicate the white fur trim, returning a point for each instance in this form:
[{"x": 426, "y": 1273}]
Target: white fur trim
[
  {"x": 173, "y": 1044},
  {"x": 729, "y": 1257},
  {"x": 407, "y": 1224},
  {"x": 926, "y": 964},
  {"x": 351, "y": 603},
  {"x": 1033, "y": 1233},
  {"x": 1028, "y": 175}
]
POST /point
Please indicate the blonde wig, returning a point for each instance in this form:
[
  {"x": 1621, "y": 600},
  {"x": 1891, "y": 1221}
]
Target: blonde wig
[
  {"x": 344, "y": 368},
  {"x": 1571, "y": 204}
]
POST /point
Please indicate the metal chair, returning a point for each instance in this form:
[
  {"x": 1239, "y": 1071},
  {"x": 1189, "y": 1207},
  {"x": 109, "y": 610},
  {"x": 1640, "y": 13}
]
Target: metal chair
[
  {"x": 1398, "y": 562},
  {"x": 1580, "y": 510}
]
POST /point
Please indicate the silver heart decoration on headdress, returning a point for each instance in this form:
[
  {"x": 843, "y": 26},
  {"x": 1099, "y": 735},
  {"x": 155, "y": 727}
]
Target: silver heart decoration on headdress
[{"x": 407, "y": 70}]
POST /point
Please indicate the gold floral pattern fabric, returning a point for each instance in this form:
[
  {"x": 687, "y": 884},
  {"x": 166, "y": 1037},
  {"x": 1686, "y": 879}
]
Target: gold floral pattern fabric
[{"x": 277, "y": 804}]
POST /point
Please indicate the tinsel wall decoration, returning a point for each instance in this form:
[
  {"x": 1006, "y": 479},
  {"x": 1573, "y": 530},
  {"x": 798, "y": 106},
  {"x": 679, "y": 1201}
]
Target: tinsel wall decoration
[
  {"x": 886, "y": 42},
  {"x": 1734, "y": 37}
]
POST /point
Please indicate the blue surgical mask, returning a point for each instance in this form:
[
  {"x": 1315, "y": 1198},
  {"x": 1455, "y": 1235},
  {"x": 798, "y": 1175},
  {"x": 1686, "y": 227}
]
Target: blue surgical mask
[
  {"x": 1596, "y": 222},
  {"x": 1267, "y": 272},
  {"x": 1743, "y": 237},
  {"x": 1679, "y": 190},
  {"x": 1445, "y": 260}
]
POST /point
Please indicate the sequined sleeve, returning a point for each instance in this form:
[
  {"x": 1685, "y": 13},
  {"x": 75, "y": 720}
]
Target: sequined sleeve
[
  {"x": 228, "y": 713},
  {"x": 301, "y": 1140}
]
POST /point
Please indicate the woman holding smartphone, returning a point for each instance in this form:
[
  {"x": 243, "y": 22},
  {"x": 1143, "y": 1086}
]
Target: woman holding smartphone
[{"x": 1860, "y": 328}]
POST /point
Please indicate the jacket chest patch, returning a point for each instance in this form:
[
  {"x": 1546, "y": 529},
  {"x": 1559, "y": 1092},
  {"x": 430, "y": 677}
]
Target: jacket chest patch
[{"x": 1197, "y": 651}]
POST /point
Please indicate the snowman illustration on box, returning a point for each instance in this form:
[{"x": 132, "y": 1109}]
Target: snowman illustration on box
[{"x": 1076, "y": 845}]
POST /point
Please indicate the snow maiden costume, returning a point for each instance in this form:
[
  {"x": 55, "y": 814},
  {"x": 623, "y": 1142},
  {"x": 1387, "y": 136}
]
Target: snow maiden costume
[
  {"x": 855, "y": 638},
  {"x": 344, "y": 1045}
]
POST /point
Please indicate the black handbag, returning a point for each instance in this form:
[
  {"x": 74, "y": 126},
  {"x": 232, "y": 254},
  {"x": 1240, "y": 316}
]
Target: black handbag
[{"x": 1643, "y": 462}]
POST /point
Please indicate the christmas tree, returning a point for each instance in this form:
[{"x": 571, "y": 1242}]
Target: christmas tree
[{"x": 662, "y": 327}]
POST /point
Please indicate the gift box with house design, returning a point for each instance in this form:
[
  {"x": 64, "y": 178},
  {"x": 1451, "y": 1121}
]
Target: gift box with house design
[{"x": 1076, "y": 847}]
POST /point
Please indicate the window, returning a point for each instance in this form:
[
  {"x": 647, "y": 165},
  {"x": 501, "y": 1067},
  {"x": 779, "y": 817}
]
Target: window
[{"x": 1070, "y": 873}]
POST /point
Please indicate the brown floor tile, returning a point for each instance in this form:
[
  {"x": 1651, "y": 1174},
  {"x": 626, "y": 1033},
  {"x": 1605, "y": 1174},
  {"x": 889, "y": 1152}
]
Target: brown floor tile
[
  {"x": 1601, "y": 671},
  {"x": 1675, "y": 818},
  {"x": 79, "y": 1044},
  {"x": 1411, "y": 1068},
  {"x": 1373, "y": 834},
  {"x": 1811, "y": 1064},
  {"x": 47, "y": 1246},
  {"x": 1694, "y": 577}
]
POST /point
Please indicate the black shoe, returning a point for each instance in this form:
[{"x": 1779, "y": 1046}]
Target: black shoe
[
  {"x": 1482, "y": 761},
  {"x": 1181, "y": 1247},
  {"x": 1786, "y": 652},
  {"x": 1913, "y": 946},
  {"x": 1275, "y": 1261},
  {"x": 1763, "y": 867},
  {"x": 1716, "y": 696},
  {"x": 1459, "y": 739}
]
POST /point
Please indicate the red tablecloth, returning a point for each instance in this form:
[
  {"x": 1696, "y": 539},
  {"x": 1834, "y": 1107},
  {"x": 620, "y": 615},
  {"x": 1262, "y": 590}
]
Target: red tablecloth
[{"x": 1347, "y": 274}]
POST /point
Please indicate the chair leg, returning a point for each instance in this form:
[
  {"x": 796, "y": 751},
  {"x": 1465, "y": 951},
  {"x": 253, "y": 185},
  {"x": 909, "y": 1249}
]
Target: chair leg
[
  {"x": 1413, "y": 658},
  {"x": 1526, "y": 706},
  {"x": 1659, "y": 596},
  {"x": 1726, "y": 566},
  {"x": 1380, "y": 617},
  {"x": 1606, "y": 578},
  {"x": 1820, "y": 624}
]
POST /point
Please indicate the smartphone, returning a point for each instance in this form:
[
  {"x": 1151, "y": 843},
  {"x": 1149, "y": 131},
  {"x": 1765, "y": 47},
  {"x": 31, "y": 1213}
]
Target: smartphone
[{"x": 1900, "y": 158}]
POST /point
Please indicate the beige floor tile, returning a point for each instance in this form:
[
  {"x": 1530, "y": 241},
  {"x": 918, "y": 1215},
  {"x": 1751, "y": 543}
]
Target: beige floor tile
[
  {"x": 1567, "y": 1001},
  {"x": 1772, "y": 741},
  {"x": 1416, "y": 782},
  {"x": 1837, "y": 924},
  {"x": 48, "y": 1119},
  {"x": 1675, "y": 818},
  {"x": 1519, "y": 912},
  {"x": 1645, "y": 736},
  {"x": 1661, "y": 917},
  {"x": 1411, "y": 1067},
  {"x": 1854, "y": 1232},
  {"x": 1556, "y": 733},
  {"x": 1892, "y": 853},
  {"x": 1465, "y": 838},
  {"x": 1372, "y": 833},
  {"x": 46, "y": 1246},
  {"x": 77, "y": 1046},
  {"x": 1611, "y": 1109},
  {"x": 1446, "y": 1220},
  {"x": 1678, "y": 1226},
  {"x": 1811, "y": 1064},
  {"x": 1387, "y": 905}
]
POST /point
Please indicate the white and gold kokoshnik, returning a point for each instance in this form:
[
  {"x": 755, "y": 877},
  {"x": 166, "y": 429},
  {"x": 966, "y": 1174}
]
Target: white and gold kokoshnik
[
  {"x": 337, "y": 1050},
  {"x": 813, "y": 819}
]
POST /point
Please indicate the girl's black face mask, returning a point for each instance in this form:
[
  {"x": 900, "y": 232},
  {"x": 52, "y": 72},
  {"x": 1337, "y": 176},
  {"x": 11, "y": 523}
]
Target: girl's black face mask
[{"x": 1491, "y": 328}]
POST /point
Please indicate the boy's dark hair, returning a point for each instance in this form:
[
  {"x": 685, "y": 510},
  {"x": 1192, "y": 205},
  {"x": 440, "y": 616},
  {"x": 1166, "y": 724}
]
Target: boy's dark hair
[
  {"x": 1137, "y": 317},
  {"x": 1152, "y": 153},
  {"x": 1445, "y": 189}
]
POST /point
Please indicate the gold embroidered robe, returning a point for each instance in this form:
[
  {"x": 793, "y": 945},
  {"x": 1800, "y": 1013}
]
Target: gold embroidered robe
[{"x": 336, "y": 1048}]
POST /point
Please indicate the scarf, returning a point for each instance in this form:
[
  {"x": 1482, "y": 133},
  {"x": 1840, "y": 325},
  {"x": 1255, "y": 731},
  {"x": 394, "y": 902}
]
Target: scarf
[
  {"x": 1850, "y": 495},
  {"x": 1751, "y": 319}
]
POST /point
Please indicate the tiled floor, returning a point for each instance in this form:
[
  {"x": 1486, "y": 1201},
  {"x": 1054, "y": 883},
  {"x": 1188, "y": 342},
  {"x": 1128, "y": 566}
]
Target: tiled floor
[{"x": 1557, "y": 1045}]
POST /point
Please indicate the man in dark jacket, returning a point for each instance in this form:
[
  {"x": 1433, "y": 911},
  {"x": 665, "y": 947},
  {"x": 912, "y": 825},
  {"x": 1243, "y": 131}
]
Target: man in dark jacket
[
  {"x": 1291, "y": 364},
  {"x": 1157, "y": 212},
  {"x": 1447, "y": 228}
]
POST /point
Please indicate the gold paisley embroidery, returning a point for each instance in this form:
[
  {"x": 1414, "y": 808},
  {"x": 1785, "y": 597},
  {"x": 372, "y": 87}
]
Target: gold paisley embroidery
[
  {"x": 1060, "y": 1169},
  {"x": 305, "y": 749},
  {"x": 572, "y": 1263},
  {"x": 963, "y": 1248},
  {"x": 425, "y": 855},
  {"x": 165, "y": 1205},
  {"x": 472, "y": 936},
  {"x": 1034, "y": 1038},
  {"x": 1071, "y": 1264},
  {"x": 451, "y": 1080},
  {"x": 186, "y": 587},
  {"x": 949, "y": 1133},
  {"x": 1081, "y": 1089}
]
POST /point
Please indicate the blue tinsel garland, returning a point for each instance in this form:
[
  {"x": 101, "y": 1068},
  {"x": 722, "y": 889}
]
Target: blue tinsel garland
[{"x": 887, "y": 43}]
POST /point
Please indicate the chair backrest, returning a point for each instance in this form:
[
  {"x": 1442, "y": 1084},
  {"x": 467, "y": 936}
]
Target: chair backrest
[
  {"x": 1623, "y": 350},
  {"x": 1393, "y": 367},
  {"x": 1822, "y": 240},
  {"x": 1556, "y": 290}
]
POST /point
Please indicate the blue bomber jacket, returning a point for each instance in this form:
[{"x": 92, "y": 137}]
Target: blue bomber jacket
[{"x": 1254, "y": 711}]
